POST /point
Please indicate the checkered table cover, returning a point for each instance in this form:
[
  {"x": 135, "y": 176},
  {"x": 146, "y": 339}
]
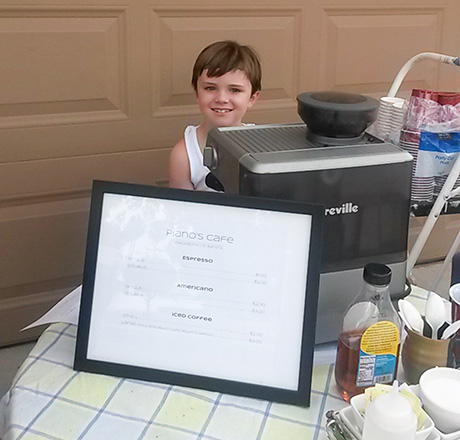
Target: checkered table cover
[{"x": 49, "y": 400}]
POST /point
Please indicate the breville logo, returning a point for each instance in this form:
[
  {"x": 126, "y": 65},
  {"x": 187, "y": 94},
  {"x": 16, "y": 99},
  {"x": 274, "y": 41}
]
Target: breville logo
[{"x": 346, "y": 208}]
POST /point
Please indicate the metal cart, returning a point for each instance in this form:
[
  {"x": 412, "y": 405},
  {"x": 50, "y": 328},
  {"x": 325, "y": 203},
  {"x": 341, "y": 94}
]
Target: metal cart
[{"x": 447, "y": 192}]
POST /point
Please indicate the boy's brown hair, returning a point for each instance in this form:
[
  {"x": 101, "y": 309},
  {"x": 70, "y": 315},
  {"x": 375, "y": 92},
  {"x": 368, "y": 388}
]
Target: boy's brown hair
[{"x": 225, "y": 56}]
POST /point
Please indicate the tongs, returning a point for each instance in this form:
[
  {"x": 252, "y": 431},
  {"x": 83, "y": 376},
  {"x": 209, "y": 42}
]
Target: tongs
[{"x": 336, "y": 429}]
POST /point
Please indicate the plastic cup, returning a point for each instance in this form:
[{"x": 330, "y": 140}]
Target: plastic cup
[
  {"x": 389, "y": 119},
  {"x": 425, "y": 94},
  {"x": 454, "y": 295},
  {"x": 448, "y": 98}
]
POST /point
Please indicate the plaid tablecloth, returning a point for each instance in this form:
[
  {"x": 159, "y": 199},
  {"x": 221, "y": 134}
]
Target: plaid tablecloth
[{"x": 49, "y": 400}]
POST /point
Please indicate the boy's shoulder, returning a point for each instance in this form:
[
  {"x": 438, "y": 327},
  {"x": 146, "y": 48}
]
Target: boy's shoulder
[
  {"x": 179, "y": 167},
  {"x": 180, "y": 146}
]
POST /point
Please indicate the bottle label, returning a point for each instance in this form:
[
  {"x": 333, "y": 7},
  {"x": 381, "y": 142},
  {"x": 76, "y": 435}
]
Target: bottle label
[{"x": 378, "y": 354}]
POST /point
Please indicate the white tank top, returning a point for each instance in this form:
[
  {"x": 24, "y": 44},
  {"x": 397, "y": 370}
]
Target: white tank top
[{"x": 198, "y": 171}]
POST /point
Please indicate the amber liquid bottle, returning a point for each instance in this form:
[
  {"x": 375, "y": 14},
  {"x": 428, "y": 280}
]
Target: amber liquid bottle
[{"x": 368, "y": 345}]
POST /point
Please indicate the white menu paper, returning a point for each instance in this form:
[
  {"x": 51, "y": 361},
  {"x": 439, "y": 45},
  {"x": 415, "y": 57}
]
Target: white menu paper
[{"x": 201, "y": 289}]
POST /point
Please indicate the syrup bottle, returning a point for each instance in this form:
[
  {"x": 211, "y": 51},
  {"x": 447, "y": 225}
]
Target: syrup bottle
[{"x": 369, "y": 342}]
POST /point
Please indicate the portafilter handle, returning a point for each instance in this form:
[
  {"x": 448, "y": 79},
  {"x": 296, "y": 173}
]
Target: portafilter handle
[{"x": 210, "y": 157}]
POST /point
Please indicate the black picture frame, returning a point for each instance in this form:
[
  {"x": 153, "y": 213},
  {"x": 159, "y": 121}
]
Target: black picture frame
[{"x": 90, "y": 315}]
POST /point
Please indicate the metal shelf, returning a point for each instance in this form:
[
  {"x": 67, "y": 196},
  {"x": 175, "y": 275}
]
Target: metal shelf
[{"x": 422, "y": 209}]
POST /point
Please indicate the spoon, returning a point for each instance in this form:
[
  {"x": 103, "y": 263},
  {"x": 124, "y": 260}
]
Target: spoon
[
  {"x": 452, "y": 329},
  {"x": 435, "y": 313},
  {"x": 406, "y": 322},
  {"x": 411, "y": 315}
]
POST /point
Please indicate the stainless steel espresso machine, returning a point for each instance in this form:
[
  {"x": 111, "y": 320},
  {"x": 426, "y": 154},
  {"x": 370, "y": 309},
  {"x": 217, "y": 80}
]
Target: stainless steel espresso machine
[{"x": 363, "y": 183}]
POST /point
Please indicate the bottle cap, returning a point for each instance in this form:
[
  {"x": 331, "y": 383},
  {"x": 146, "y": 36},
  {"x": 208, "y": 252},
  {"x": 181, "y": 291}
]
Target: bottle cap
[{"x": 377, "y": 274}]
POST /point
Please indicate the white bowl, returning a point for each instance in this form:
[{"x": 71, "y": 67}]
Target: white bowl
[
  {"x": 358, "y": 403},
  {"x": 440, "y": 393}
]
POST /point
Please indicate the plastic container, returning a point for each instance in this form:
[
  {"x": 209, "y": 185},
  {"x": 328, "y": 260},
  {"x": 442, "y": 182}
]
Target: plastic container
[
  {"x": 369, "y": 342},
  {"x": 389, "y": 416}
]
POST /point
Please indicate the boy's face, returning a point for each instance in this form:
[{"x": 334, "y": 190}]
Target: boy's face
[{"x": 224, "y": 100}]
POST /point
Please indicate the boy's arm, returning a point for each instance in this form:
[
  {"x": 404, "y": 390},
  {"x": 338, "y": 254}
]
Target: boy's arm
[{"x": 179, "y": 167}]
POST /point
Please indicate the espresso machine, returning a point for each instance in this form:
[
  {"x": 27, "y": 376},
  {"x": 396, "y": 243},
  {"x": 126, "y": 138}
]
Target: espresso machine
[{"x": 362, "y": 182}]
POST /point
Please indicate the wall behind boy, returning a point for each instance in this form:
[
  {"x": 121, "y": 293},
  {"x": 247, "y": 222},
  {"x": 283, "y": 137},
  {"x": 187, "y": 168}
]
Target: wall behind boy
[{"x": 100, "y": 90}]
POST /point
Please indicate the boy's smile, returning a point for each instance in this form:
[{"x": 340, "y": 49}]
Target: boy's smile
[{"x": 224, "y": 100}]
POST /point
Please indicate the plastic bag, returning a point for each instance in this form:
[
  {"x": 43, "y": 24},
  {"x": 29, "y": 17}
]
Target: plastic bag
[
  {"x": 431, "y": 134},
  {"x": 437, "y": 153}
]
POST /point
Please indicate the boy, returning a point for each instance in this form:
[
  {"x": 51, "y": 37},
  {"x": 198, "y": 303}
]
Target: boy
[{"x": 226, "y": 81}]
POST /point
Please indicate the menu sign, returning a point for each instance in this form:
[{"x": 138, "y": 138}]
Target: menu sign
[{"x": 198, "y": 289}]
